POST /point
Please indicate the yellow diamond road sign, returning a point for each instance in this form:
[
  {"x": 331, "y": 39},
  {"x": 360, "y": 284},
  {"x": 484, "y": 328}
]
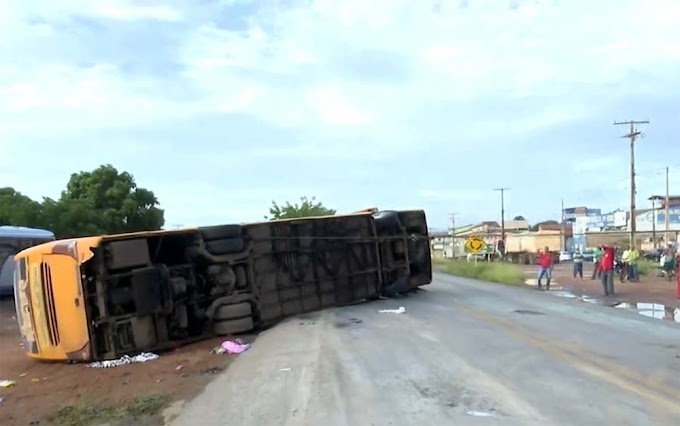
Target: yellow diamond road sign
[{"x": 475, "y": 245}]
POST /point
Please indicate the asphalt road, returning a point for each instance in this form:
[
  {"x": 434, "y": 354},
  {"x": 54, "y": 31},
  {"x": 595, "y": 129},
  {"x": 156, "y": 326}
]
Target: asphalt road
[{"x": 462, "y": 353}]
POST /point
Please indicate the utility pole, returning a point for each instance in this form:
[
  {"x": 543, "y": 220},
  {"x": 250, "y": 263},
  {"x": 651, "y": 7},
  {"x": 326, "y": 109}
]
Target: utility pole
[
  {"x": 667, "y": 212},
  {"x": 562, "y": 241},
  {"x": 632, "y": 135},
  {"x": 502, "y": 191},
  {"x": 452, "y": 216},
  {"x": 654, "y": 222}
]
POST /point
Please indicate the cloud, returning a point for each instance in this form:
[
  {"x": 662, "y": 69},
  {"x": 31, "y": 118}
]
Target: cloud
[{"x": 375, "y": 99}]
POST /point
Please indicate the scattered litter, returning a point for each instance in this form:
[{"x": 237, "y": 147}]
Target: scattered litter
[
  {"x": 237, "y": 347},
  {"x": 35, "y": 380},
  {"x": 286, "y": 369},
  {"x": 23, "y": 374},
  {"x": 7, "y": 383},
  {"x": 179, "y": 367},
  {"x": 125, "y": 360},
  {"x": 479, "y": 414},
  {"x": 401, "y": 310},
  {"x": 219, "y": 350},
  {"x": 2, "y": 400}
]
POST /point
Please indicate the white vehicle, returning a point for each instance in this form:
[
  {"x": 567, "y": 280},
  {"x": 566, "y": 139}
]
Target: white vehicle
[
  {"x": 565, "y": 256},
  {"x": 13, "y": 239}
]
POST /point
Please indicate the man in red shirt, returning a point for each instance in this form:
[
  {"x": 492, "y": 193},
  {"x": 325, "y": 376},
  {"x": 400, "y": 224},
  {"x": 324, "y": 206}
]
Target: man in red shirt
[
  {"x": 607, "y": 268},
  {"x": 545, "y": 265}
]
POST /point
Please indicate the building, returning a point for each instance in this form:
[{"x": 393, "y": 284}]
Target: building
[
  {"x": 516, "y": 226},
  {"x": 440, "y": 245},
  {"x": 659, "y": 201},
  {"x": 615, "y": 221},
  {"x": 452, "y": 243},
  {"x": 645, "y": 219},
  {"x": 570, "y": 214}
]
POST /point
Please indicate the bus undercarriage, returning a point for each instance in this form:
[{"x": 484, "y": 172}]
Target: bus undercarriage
[{"x": 167, "y": 289}]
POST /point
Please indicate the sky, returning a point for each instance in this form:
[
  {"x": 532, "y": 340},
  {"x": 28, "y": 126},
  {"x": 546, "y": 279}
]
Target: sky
[{"x": 221, "y": 106}]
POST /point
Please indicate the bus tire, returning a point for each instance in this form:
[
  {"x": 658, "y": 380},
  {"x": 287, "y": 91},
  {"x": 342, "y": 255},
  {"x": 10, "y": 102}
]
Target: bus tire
[
  {"x": 386, "y": 221},
  {"x": 235, "y": 326},
  {"x": 236, "y": 311},
  {"x": 227, "y": 246},
  {"x": 221, "y": 232}
]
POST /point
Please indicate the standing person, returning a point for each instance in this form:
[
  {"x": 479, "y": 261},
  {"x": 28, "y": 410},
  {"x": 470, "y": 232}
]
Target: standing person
[
  {"x": 625, "y": 264},
  {"x": 545, "y": 265},
  {"x": 597, "y": 256},
  {"x": 578, "y": 264},
  {"x": 607, "y": 269},
  {"x": 633, "y": 258}
]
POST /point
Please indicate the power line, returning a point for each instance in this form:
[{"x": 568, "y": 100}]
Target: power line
[{"x": 632, "y": 136}]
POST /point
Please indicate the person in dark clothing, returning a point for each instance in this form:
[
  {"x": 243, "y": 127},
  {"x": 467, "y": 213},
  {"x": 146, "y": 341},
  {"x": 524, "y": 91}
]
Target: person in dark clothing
[
  {"x": 607, "y": 267},
  {"x": 578, "y": 264},
  {"x": 597, "y": 256}
]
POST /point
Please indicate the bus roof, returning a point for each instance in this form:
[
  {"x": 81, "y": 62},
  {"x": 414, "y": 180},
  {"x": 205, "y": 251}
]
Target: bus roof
[{"x": 23, "y": 232}]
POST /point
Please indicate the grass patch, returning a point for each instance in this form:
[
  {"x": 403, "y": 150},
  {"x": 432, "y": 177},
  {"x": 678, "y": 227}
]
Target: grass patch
[
  {"x": 88, "y": 413},
  {"x": 647, "y": 267},
  {"x": 498, "y": 272}
]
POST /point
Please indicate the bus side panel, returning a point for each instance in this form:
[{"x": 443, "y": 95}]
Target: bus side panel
[{"x": 310, "y": 264}]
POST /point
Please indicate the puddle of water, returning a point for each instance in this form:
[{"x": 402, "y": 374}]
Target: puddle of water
[
  {"x": 534, "y": 282},
  {"x": 653, "y": 310}
]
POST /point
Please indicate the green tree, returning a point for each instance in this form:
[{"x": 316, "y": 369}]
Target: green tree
[
  {"x": 308, "y": 207},
  {"x": 71, "y": 218},
  {"x": 114, "y": 198},
  {"x": 520, "y": 217},
  {"x": 17, "y": 209},
  {"x": 102, "y": 201}
]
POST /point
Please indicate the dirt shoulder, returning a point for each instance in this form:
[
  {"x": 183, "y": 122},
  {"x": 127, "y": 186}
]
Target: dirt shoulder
[
  {"x": 75, "y": 393},
  {"x": 650, "y": 289}
]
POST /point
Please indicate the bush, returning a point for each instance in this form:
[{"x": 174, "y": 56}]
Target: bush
[
  {"x": 499, "y": 272},
  {"x": 647, "y": 267}
]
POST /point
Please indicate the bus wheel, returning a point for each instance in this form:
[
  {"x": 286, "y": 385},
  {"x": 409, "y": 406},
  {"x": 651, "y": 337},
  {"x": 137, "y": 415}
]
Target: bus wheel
[
  {"x": 235, "y": 318},
  {"x": 219, "y": 247},
  {"x": 386, "y": 221},
  {"x": 236, "y": 311},
  {"x": 234, "y": 326},
  {"x": 220, "y": 232}
]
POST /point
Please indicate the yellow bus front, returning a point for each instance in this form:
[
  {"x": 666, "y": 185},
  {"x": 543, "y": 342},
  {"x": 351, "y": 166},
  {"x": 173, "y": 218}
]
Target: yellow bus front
[{"x": 50, "y": 299}]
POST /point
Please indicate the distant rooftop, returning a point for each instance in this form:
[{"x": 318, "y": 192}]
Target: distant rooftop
[
  {"x": 23, "y": 232},
  {"x": 663, "y": 197}
]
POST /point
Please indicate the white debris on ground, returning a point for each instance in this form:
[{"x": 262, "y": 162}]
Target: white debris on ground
[
  {"x": 479, "y": 414},
  {"x": 401, "y": 310},
  {"x": 125, "y": 360}
]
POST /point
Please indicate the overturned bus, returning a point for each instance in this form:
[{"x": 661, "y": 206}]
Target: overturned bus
[{"x": 101, "y": 297}]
